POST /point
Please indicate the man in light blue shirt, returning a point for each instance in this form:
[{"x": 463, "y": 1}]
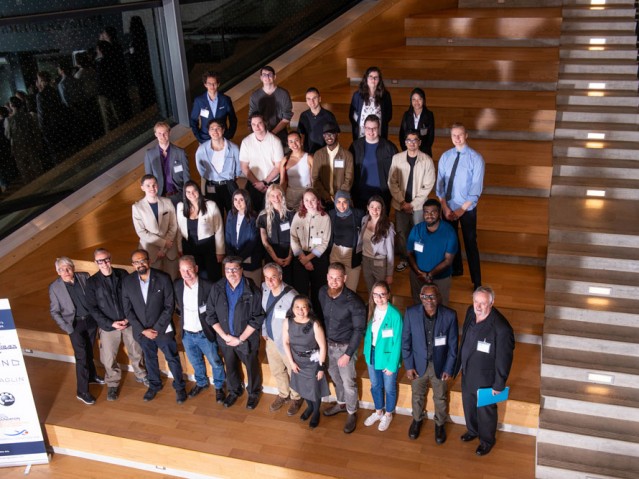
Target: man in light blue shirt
[{"x": 460, "y": 179}]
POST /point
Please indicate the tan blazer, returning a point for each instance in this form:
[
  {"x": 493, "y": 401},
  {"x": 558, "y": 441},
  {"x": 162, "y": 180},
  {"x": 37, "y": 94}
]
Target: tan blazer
[
  {"x": 342, "y": 177},
  {"x": 154, "y": 234},
  {"x": 423, "y": 179},
  {"x": 207, "y": 225}
]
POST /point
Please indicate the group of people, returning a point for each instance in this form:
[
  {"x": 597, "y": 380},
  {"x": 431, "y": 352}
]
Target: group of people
[
  {"x": 225, "y": 257},
  {"x": 75, "y": 105}
]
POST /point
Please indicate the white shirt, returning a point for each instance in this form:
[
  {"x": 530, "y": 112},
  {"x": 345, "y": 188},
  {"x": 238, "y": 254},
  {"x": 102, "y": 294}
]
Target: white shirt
[
  {"x": 238, "y": 225},
  {"x": 217, "y": 161},
  {"x": 191, "y": 313},
  {"x": 378, "y": 318}
]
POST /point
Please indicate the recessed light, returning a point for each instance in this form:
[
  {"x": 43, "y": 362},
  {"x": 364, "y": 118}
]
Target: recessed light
[
  {"x": 594, "y": 144},
  {"x": 599, "y": 290},
  {"x": 598, "y": 193},
  {"x": 597, "y": 2},
  {"x": 597, "y": 41},
  {"x": 595, "y": 93},
  {"x": 596, "y": 136},
  {"x": 596, "y": 86},
  {"x": 601, "y": 378}
]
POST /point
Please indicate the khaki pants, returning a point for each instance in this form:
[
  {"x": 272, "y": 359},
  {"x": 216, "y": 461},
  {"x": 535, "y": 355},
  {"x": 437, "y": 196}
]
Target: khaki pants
[
  {"x": 341, "y": 254},
  {"x": 109, "y": 346},
  {"x": 281, "y": 370},
  {"x": 419, "y": 388}
]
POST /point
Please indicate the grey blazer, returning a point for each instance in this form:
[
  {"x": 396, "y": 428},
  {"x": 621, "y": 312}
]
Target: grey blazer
[
  {"x": 62, "y": 308},
  {"x": 178, "y": 161}
]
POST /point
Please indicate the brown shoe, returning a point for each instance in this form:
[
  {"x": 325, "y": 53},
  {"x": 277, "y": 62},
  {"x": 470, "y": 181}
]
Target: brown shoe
[
  {"x": 294, "y": 406},
  {"x": 278, "y": 403}
]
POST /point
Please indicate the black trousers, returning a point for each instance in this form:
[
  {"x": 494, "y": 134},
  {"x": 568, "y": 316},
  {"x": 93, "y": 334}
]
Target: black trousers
[
  {"x": 309, "y": 282},
  {"x": 166, "y": 343},
  {"x": 480, "y": 421},
  {"x": 257, "y": 197},
  {"x": 233, "y": 360},
  {"x": 205, "y": 257},
  {"x": 223, "y": 196},
  {"x": 82, "y": 339},
  {"x": 468, "y": 223}
]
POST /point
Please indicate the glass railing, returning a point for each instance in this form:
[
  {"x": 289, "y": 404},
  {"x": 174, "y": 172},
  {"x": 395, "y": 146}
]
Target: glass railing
[
  {"x": 235, "y": 38},
  {"x": 80, "y": 91}
]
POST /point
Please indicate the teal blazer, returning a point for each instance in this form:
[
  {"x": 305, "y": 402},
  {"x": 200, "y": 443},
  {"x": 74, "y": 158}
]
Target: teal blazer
[{"x": 388, "y": 350}]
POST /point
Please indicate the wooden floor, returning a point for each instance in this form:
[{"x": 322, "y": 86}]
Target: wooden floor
[{"x": 167, "y": 435}]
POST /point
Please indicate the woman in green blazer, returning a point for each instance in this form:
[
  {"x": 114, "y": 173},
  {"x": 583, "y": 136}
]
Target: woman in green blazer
[{"x": 383, "y": 352}]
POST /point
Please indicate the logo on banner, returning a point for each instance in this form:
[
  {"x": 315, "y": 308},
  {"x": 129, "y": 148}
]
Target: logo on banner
[
  {"x": 23, "y": 432},
  {"x": 5, "y": 347},
  {"x": 9, "y": 363},
  {"x": 7, "y": 399}
]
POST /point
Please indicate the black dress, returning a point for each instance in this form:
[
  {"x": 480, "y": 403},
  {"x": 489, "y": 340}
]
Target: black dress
[{"x": 302, "y": 343}]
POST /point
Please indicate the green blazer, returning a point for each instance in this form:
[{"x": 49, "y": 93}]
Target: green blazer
[{"x": 388, "y": 350}]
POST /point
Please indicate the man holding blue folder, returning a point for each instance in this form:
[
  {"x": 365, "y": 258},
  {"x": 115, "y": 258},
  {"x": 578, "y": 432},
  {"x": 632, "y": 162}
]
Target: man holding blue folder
[{"x": 485, "y": 357}]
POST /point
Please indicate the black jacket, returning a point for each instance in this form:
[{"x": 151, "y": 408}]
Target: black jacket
[
  {"x": 425, "y": 128},
  {"x": 203, "y": 291},
  {"x": 103, "y": 300},
  {"x": 385, "y": 152},
  {"x": 356, "y": 218}
]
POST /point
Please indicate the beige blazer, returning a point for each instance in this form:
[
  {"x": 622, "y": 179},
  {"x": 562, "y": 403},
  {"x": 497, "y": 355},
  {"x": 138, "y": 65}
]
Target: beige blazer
[
  {"x": 154, "y": 234},
  {"x": 208, "y": 224},
  {"x": 423, "y": 179}
]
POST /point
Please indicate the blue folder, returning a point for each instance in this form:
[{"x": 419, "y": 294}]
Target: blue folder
[{"x": 485, "y": 396}]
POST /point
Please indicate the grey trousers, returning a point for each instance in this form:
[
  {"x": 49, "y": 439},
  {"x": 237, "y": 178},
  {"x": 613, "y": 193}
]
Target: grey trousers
[
  {"x": 345, "y": 379},
  {"x": 419, "y": 388},
  {"x": 443, "y": 285}
]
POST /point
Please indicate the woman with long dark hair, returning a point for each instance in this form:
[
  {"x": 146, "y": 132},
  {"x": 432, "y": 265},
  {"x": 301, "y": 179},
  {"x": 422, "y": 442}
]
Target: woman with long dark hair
[
  {"x": 200, "y": 231},
  {"x": 295, "y": 171},
  {"x": 377, "y": 244},
  {"x": 242, "y": 236},
  {"x": 371, "y": 98},
  {"x": 420, "y": 119},
  {"x": 305, "y": 346}
]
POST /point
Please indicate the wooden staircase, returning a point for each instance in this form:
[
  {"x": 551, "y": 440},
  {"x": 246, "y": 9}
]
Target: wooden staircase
[{"x": 589, "y": 418}]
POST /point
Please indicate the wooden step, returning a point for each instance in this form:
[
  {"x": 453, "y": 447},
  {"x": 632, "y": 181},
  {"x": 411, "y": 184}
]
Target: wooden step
[
  {"x": 594, "y": 215},
  {"x": 584, "y": 329},
  {"x": 595, "y": 168},
  {"x": 622, "y": 284},
  {"x": 609, "y": 307},
  {"x": 621, "y": 189},
  {"x": 584, "y": 424},
  {"x": 583, "y": 391},
  {"x": 590, "y": 360},
  {"x": 504, "y": 152}
]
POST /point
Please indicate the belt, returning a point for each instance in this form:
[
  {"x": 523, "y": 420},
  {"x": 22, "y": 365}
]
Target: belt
[
  {"x": 191, "y": 332},
  {"x": 336, "y": 345},
  {"x": 83, "y": 318},
  {"x": 306, "y": 354},
  {"x": 217, "y": 183}
]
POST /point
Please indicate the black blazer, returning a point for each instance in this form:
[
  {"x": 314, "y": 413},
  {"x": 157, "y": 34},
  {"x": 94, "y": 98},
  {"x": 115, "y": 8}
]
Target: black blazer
[
  {"x": 157, "y": 313},
  {"x": 385, "y": 152},
  {"x": 356, "y": 217},
  {"x": 426, "y": 125},
  {"x": 248, "y": 311},
  {"x": 488, "y": 370},
  {"x": 203, "y": 291},
  {"x": 105, "y": 302}
]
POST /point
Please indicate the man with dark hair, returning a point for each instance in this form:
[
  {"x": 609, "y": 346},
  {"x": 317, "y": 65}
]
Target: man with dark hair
[
  {"x": 168, "y": 163},
  {"x": 198, "y": 338},
  {"x": 260, "y": 156},
  {"x": 429, "y": 350},
  {"x": 460, "y": 179},
  {"x": 485, "y": 358},
  {"x": 274, "y": 103},
  {"x": 147, "y": 296},
  {"x": 212, "y": 104},
  {"x": 345, "y": 322},
  {"x": 332, "y": 166},
  {"x": 234, "y": 309},
  {"x": 373, "y": 156},
  {"x": 104, "y": 300},
  {"x": 70, "y": 311},
  {"x": 431, "y": 247},
  {"x": 313, "y": 120},
  {"x": 51, "y": 118}
]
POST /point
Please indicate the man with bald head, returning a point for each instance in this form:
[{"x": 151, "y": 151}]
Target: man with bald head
[
  {"x": 429, "y": 350},
  {"x": 485, "y": 358}
]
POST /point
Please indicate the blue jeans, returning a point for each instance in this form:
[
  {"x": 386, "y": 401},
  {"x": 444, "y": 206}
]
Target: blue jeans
[
  {"x": 383, "y": 384},
  {"x": 198, "y": 345}
]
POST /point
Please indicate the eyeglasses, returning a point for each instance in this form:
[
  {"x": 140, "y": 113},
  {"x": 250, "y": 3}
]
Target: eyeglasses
[
  {"x": 232, "y": 270},
  {"x": 411, "y": 140},
  {"x": 139, "y": 262},
  {"x": 428, "y": 297},
  {"x": 267, "y": 75},
  {"x": 373, "y": 77},
  {"x": 379, "y": 295},
  {"x": 103, "y": 261}
]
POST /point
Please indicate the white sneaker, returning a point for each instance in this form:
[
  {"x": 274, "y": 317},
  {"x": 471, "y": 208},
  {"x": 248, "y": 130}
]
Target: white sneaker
[
  {"x": 401, "y": 266},
  {"x": 384, "y": 422},
  {"x": 373, "y": 418}
]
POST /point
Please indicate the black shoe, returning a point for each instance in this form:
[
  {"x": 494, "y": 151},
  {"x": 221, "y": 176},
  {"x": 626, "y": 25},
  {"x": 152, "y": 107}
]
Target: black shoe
[
  {"x": 351, "y": 423},
  {"x": 180, "y": 396},
  {"x": 458, "y": 272},
  {"x": 414, "y": 429},
  {"x": 440, "y": 434},
  {"x": 306, "y": 414},
  {"x": 314, "y": 422},
  {"x": 335, "y": 409},
  {"x": 467, "y": 437},
  {"x": 149, "y": 395},
  {"x": 253, "y": 400},
  {"x": 230, "y": 400},
  {"x": 483, "y": 449},
  {"x": 197, "y": 389},
  {"x": 96, "y": 380},
  {"x": 220, "y": 395},
  {"x": 86, "y": 398},
  {"x": 112, "y": 394}
]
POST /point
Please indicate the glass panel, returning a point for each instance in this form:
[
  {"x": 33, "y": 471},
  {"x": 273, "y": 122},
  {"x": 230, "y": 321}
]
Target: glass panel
[{"x": 80, "y": 93}]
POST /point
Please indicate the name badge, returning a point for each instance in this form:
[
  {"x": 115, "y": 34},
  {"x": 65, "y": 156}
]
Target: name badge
[
  {"x": 419, "y": 247},
  {"x": 178, "y": 169},
  {"x": 285, "y": 226},
  {"x": 483, "y": 347},
  {"x": 210, "y": 189},
  {"x": 315, "y": 241},
  {"x": 355, "y": 116},
  {"x": 279, "y": 313},
  {"x": 203, "y": 309},
  {"x": 387, "y": 333},
  {"x": 247, "y": 260},
  {"x": 204, "y": 112},
  {"x": 169, "y": 328},
  {"x": 315, "y": 357},
  {"x": 440, "y": 341},
  {"x": 338, "y": 163},
  {"x": 423, "y": 131},
  {"x": 379, "y": 263}
]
